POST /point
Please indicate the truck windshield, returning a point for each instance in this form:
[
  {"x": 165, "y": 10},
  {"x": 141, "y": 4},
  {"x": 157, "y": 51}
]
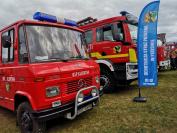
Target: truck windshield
[
  {"x": 48, "y": 43},
  {"x": 133, "y": 31}
]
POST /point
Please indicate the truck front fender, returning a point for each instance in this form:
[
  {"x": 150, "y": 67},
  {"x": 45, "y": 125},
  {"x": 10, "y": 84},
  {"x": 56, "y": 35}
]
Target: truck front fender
[
  {"x": 107, "y": 63},
  {"x": 28, "y": 96}
]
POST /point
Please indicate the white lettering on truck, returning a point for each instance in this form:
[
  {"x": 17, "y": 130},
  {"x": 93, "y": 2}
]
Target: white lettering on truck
[
  {"x": 8, "y": 79},
  {"x": 76, "y": 74}
]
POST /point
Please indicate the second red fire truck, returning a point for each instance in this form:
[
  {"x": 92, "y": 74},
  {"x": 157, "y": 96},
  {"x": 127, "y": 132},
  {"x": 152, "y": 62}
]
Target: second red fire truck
[{"x": 112, "y": 43}]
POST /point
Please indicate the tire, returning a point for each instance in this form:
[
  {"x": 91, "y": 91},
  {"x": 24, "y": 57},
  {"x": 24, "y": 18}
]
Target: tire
[
  {"x": 26, "y": 121},
  {"x": 125, "y": 82},
  {"x": 107, "y": 80}
]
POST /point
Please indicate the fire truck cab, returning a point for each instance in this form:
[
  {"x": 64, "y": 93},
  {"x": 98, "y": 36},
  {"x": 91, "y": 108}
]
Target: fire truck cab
[
  {"x": 45, "y": 73},
  {"x": 112, "y": 43}
]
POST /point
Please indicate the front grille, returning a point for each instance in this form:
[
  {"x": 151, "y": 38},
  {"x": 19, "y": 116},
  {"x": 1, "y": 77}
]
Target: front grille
[
  {"x": 74, "y": 86},
  {"x": 120, "y": 67},
  {"x": 133, "y": 67}
]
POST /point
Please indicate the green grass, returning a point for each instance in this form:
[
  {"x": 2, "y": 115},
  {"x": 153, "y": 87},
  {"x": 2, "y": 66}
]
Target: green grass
[{"x": 118, "y": 114}]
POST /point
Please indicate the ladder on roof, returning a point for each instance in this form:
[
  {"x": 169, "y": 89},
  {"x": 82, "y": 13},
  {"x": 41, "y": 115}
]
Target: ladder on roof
[{"x": 86, "y": 21}]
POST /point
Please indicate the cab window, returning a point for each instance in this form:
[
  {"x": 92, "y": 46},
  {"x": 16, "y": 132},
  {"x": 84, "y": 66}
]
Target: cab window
[
  {"x": 89, "y": 36},
  {"x": 120, "y": 31},
  {"x": 8, "y": 52},
  {"x": 105, "y": 33},
  {"x": 133, "y": 31},
  {"x": 23, "y": 54},
  {"x": 99, "y": 37}
]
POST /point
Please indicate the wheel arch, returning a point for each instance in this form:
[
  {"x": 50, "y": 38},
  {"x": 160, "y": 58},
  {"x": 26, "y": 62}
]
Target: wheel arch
[
  {"x": 105, "y": 64},
  {"x": 21, "y": 97}
]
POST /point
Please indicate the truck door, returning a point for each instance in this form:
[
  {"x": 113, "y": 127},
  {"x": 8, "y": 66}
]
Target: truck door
[
  {"x": 1, "y": 92},
  {"x": 7, "y": 78},
  {"x": 106, "y": 45}
]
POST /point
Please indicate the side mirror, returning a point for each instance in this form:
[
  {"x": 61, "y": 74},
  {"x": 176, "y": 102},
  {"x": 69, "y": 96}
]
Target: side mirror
[
  {"x": 83, "y": 38},
  {"x": 6, "y": 41}
]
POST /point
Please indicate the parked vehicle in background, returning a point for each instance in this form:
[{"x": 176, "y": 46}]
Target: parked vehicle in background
[
  {"x": 112, "y": 43},
  {"x": 45, "y": 73},
  {"x": 163, "y": 59}
]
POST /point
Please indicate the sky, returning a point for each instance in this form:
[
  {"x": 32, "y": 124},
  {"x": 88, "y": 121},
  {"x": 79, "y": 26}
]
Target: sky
[{"x": 13, "y": 10}]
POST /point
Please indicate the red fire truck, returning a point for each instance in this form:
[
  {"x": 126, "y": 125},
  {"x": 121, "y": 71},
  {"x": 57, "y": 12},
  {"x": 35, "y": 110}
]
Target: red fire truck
[
  {"x": 112, "y": 43},
  {"x": 163, "y": 58},
  {"x": 45, "y": 73}
]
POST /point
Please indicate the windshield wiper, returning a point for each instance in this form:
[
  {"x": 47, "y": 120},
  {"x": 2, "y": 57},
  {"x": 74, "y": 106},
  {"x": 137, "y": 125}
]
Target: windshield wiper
[
  {"x": 45, "y": 60},
  {"x": 79, "y": 57},
  {"x": 59, "y": 59}
]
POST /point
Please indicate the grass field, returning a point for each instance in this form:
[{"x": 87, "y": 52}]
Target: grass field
[{"x": 118, "y": 114}]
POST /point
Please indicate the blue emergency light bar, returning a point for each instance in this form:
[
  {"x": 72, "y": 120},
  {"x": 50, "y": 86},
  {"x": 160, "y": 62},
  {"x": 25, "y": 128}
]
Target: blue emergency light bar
[{"x": 50, "y": 18}]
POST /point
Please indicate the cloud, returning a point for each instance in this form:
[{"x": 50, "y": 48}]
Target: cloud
[{"x": 13, "y": 10}]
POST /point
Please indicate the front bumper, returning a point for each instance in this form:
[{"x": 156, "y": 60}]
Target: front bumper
[
  {"x": 69, "y": 110},
  {"x": 126, "y": 71},
  {"x": 165, "y": 63},
  {"x": 131, "y": 71}
]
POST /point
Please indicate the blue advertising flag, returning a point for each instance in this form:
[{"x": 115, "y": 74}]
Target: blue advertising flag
[{"x": 147, "y": 45}]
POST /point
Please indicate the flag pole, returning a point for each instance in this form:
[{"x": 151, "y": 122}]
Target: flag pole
[
  {"x": 147, "y": 48},
  {"x": 140, "y": 98}
]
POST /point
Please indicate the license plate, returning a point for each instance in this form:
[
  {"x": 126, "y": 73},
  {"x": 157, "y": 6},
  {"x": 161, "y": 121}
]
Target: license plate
[
  {"x": 88, "y": 107},
  {"x": 56, "y": 104}
]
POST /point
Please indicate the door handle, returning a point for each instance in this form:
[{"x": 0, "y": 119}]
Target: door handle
[{"x": 106, "y": 47}]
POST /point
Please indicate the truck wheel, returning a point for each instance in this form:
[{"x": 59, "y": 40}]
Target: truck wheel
[
  {"x": 26, "y": 121},
  {"x": 125, "y": 83},
  {"x": 107, "y": 81}
]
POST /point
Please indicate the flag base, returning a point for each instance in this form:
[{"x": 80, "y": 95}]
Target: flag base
[{"x": 140, "y": 99}]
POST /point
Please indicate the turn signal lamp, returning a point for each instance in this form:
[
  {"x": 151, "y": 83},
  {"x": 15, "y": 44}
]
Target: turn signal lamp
[
  {"x": 39, "y": 79},
  {"x": 50, "y": 18}
]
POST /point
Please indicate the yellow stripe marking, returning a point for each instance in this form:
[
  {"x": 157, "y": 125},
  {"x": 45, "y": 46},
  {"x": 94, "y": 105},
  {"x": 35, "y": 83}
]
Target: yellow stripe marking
[
  {"x": 99, "y": 56},
  {"x": 132, "y": 54}
]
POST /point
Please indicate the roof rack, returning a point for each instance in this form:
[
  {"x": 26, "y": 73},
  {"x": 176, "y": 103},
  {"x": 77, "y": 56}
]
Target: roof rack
[{"x": 86, "y": 21}]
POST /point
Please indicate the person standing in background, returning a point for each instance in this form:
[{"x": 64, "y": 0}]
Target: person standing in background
[{"x": 173, "y": 58}]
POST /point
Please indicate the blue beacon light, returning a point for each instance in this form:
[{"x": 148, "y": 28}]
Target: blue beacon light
[{"x": 50, "y": 18}]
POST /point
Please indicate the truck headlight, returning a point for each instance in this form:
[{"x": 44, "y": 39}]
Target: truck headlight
[
  {"x": 97, "y": 79},
  {"x": 52, "y": 91},
  {"x": 94, "y": 92},
  {"x": 80, "y": 97}
]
